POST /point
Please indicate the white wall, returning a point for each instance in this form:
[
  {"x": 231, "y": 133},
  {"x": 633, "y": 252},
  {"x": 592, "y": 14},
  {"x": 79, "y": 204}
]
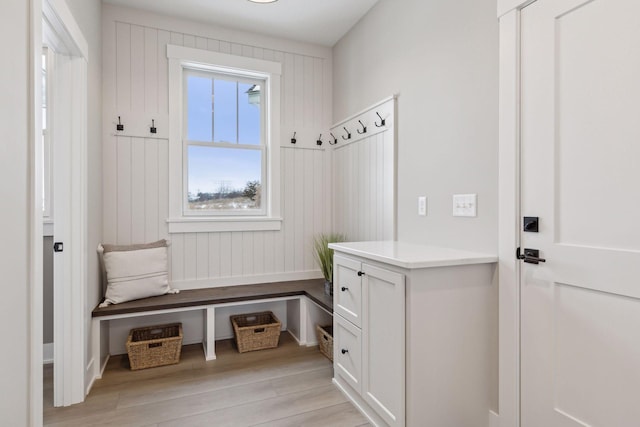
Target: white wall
[
  {"x": 87, "y": 14},
  {"x": 441, "y": 57},
  {"x": 14, "y": 192}
]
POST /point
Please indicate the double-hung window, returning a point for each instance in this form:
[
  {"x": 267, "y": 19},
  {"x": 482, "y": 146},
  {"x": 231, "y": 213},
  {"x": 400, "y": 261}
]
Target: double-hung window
[{"x": 223, "y": 145}]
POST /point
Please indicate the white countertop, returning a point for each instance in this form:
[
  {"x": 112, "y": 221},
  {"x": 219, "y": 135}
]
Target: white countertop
[{"x": 410, "y": 255}]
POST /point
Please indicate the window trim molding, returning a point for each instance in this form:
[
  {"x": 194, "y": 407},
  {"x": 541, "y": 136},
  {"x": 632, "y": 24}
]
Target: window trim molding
[{"x": 180, "y": 57}]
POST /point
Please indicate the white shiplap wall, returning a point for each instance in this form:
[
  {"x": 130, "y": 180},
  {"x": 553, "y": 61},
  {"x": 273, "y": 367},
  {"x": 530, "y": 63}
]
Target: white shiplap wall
[
  {"x": 365, "y": 175},
  {"x": 136, "y": 162}
]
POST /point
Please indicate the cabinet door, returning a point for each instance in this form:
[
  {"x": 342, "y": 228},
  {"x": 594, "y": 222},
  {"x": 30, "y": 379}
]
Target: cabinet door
[
  {"x": 383, "y": 343},
  {"x": 347, "y": 289},
  {"x": 347, "y": 352}
]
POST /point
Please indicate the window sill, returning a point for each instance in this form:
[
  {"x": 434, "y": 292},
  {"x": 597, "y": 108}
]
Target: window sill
[{"x": 212, "y": 225}]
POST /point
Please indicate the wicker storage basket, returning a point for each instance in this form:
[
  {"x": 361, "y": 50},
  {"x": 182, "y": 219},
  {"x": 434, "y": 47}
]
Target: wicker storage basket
[
  {"x": 256, "y": 331},
  {"x": 154, "y": 346},
  {"x": 325, "y": 340}
]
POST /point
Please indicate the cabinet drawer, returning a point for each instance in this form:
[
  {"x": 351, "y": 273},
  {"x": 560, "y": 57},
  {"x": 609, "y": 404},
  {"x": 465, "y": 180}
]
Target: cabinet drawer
[
  {"x": 347, "y": 352},
  {"x": 347, "y": 289}
]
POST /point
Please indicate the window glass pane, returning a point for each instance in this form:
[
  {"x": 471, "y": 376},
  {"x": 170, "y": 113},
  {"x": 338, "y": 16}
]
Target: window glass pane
[
  {"x": 199, "y": 108},
  {"x": 225, "y": 110},
  {"x": 249, "y": 97},
  {"x": 224, "y": 178}
]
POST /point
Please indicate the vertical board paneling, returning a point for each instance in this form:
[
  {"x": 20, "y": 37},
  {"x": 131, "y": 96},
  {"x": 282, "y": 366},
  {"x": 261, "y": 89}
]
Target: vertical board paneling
[
  {"x": 309, "y": 211},
  {"x": 110, "y": 189},
  {"x": 177, "y": 257},
  {"x": 214, "y": 254},
  {"x": 258, "y": 252},
  {"x": 190, "y": 256},
  {"x": 288, "y": 116},
  {"x": 225, "y": 254},
  {"x": 247, "y": 253},
  {"x": 151, "y": 190},
  {"x": 124, "y": 190},
  {"x": 136, "y": 169},
  {"x": 138, "y": 220},
  {"x": 364, "y": 188},
  {"x": 316, "y": 101},
  {"x": 202, "y": 255},
  {"x": 163, "y": 68},
  {"x": 308, "y": 73},
  {"x": 188, "y": 41},
  {"x": 137, "y": 68},
  {"x": 177, "y": 39},
  {"x": 151, "y": 70},
  {"x": 298, "y": 211},
  {"x": 163, "y": 187},
  {"x": 298, "y": 91},
  {"x": 236, "y": 253},
  {"x": 201, "y": 43},
  {"x": 213, "y": 45},
  {"x": 269, "y": 249},
  {"x": 123, "y": 66},
  {"x": 289, "y": 212},
  {"x": 225, "y": 47},
  {"x": 388, "y": 183}
]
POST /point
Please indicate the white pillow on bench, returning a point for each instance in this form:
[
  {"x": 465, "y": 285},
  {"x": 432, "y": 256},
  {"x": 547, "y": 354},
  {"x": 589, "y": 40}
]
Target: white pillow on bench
[{"x": 135, "y": 271}]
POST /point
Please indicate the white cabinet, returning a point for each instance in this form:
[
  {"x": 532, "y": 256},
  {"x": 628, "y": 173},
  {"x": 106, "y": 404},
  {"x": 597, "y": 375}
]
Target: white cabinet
[
  {"x": 415, "y": 333},
  {"x": 369, "y": 335}
]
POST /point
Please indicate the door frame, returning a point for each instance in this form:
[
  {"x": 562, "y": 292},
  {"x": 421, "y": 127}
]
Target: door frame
[
  {"x": 509, "y": 14},
  {"x": 69, "y": 324}
]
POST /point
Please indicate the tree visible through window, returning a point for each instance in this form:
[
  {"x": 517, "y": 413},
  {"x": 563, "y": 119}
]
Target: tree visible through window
[{"x": 225, "y": 144}]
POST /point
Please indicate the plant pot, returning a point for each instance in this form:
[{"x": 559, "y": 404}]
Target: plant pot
[{"x": 328, "y": 288}]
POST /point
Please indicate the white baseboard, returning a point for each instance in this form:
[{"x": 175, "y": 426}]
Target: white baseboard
[
  {"x": 47, "y": 353},
  {"x": 359, "y": 403},
  {"x": 88, "y": 373},
  {"x": 494, "y": 419}
]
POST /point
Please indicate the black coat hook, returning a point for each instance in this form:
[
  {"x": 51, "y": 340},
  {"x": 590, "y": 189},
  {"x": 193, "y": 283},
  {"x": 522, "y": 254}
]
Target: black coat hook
[
  {"x": 319, "y": 140},
  {"x": 153, "y": 129},
  {"x": 294, "y": 140},
  {"x": 335, "y": 140},
  {"x": 364, "y": 128},
  {"x": 348, "y": 134},
  {"x": 119, "y": 126},
  {"x": 383, "y": 121}
]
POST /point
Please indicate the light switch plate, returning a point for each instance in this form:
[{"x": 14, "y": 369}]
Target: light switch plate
[
  {"x": 465, "y": 205},
  {"x": 422, "y": 205}
]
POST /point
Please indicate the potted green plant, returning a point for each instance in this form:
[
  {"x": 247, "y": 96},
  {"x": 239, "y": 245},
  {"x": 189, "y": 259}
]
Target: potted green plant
[{"x": 324, "y": 256}]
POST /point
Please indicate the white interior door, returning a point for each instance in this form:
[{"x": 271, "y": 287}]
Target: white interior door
[{"x": 580, "y": 324}]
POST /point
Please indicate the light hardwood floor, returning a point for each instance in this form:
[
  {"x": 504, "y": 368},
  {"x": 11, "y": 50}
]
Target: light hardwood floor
[{"x": 288, "y": 386}]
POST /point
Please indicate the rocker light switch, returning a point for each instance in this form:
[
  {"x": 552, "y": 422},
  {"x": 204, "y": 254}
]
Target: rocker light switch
[
  {"x": 465, "y": 205},
  {"x": 422, "y": 205}
]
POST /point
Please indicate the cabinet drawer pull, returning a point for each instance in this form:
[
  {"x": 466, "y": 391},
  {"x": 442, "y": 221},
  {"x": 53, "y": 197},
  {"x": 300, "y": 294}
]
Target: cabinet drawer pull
[
  {"x": 344, "y": 351},
  {"x": 344, "y": 289},
  {"x": 360, "y": 273}
]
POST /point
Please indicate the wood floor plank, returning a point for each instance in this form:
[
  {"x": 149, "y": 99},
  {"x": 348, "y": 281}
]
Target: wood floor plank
[
  {"x": 342, "y": 415},
  {"x": 264, "y": 410},
  {"x": 286, "y": 385}
]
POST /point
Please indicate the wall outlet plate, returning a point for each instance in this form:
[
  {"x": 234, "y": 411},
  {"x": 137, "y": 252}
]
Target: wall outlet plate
[{"x": 465, "y": 205}]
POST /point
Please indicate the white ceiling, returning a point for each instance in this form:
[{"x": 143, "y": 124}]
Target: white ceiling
[{"x": 315, "y": 21}]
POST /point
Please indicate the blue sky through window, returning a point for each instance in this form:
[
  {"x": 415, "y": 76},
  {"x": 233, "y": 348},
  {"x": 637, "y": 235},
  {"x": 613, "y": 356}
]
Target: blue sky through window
[{"x": 221, "y": 111}]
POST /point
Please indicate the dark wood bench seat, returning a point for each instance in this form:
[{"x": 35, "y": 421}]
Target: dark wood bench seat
[
  {"x": 304, "y": 294},
  {"x": 313, "y": 289}
]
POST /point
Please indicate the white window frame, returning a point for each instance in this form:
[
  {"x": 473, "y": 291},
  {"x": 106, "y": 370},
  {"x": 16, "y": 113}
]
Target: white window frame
[{"x": 181, "y": 58}]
